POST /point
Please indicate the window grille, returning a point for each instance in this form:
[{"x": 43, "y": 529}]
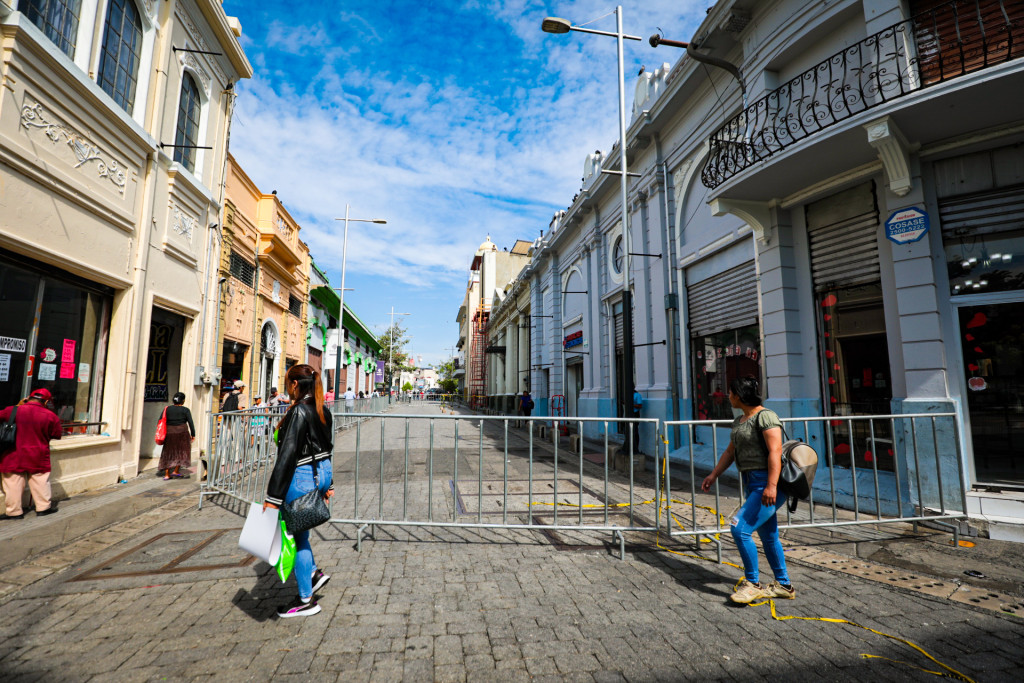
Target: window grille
[
  {"x": 58, "y": 19},
  {"x": 295, "y": 305},
  {"x": 242, "y": 270},
  {"x": 187, "y": 133},
  {"x": 119, "y": 61}
]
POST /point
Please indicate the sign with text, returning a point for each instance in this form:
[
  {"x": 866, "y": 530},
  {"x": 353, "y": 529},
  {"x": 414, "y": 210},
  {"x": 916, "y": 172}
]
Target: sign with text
[
  {"x": 907, "y": 225},
  {"x": 379, "y": 375},
  {"x": 574, "y": 339},
  {"x": 12, "y": 344},
  {"x": 68, "y": 353}
]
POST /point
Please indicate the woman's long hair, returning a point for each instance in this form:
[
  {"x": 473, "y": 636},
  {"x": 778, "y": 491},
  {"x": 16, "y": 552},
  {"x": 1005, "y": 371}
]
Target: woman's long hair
[{"x": 308, "y": 384}]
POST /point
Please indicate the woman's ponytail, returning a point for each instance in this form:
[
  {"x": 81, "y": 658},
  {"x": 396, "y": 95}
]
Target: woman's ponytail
[{"x": 318, "y": 394}]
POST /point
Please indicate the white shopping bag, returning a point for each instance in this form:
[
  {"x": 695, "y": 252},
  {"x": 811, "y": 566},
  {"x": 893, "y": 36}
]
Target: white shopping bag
[{"x": 261, "y": 535}]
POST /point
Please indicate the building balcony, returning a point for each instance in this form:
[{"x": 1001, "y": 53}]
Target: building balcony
[{"x": 910, "y": 61}]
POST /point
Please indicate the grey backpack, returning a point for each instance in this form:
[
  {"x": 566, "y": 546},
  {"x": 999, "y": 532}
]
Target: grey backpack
[{"x": 799, "y": 465}]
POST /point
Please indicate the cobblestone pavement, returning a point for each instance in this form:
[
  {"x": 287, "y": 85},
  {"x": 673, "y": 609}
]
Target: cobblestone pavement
[{"x": 176, "y": 600}]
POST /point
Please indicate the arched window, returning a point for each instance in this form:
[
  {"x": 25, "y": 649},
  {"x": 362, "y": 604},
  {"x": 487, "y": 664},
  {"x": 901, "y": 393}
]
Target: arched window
[
  {"x": 188, "y": 124},
  {"x": 58, "y": 19},
  {"x": 119, "y": 61}
]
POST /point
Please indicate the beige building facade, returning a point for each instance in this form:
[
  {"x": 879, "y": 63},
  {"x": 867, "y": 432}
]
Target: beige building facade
[
  {"x": 113, "y": 132},
  {"x": 264, "y": 271}
]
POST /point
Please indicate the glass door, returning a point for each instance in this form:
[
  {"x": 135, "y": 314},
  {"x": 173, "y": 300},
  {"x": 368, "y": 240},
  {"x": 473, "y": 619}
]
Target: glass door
[{"x": 992, "y": 340}]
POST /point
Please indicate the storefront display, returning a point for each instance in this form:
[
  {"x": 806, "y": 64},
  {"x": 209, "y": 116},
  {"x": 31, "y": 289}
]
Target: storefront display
[
  {"x": 55, "y": 335},
  {"x": 717, "y": 360}
]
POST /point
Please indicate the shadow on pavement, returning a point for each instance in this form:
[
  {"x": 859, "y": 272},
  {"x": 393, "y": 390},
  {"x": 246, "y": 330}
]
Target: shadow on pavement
[
  {"x": 696, "y": 575},
  {"x": 260, "y": 603}
]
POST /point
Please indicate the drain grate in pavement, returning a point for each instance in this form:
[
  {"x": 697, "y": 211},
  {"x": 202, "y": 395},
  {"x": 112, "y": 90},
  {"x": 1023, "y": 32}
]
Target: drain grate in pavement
[
  {"x": 970, "y": 595},
  {"x": 174, "y": 553}
]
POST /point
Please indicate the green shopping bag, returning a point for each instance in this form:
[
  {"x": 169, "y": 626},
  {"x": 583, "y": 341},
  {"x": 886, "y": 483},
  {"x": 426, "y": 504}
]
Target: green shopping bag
[{"x": 286, "y": 562}]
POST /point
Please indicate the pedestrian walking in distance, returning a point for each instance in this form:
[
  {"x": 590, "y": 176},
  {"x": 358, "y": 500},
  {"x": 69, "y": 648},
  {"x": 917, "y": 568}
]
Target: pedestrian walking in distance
[
  {"x": 305, "y": 441},
  {"x": 350, "y": 400},
  {"x": 760, "y": 471},
  {"x": 181, "y": 432},
  {"x": 232, "y": 402},
  {"x": 29, "y": 460}
]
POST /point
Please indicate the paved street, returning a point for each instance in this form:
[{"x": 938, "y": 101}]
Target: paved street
[{"x": 167, "y": 595}]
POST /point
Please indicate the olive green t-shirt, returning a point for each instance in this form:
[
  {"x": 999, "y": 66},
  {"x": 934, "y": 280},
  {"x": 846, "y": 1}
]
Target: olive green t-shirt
[{"x": 746, "y": 442}]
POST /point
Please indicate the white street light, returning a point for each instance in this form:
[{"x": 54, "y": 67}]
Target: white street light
[
  {"x": 558, "y": 25},
  {"x": 341, "y": 293}
]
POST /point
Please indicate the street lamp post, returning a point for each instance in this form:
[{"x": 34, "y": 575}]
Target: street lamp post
[
  {"x": 557, "y": 25},
  {"x": 391, "y": 353},
  {"x": 341, "y": 293}
]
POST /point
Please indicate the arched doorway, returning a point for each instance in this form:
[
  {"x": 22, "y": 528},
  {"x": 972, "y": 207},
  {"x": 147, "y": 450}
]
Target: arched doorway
[{"x": 269, "y": 351}]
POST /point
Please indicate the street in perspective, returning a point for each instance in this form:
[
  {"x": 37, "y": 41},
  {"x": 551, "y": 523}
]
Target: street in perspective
[{"x": 496, "y": 341}]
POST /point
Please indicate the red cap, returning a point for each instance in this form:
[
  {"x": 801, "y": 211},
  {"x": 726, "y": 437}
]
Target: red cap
[{"x": 42, "y": 394}]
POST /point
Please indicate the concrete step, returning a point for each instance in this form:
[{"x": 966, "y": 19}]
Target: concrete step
[{"x": 1000, "y": 513}]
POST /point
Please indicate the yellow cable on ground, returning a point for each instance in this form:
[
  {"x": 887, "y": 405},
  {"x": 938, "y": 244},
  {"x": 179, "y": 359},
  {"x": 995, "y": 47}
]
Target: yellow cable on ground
[{"x": 949, "y": 672}]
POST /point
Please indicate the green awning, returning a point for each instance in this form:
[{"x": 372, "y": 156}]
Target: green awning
[{"x": 328, "y": 298}]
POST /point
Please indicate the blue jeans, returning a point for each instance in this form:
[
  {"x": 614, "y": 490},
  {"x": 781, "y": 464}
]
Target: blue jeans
[
  {"x": 302, "y": 483},
  {"x": 755, "y": 516}
]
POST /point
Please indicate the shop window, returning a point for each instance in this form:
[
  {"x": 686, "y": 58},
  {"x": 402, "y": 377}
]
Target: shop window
[
  {"x": 978, "y": 264},
  {"x": 186, "y": 135},
  {"x": 58, "y": 19},
  {"x": 119, "y": 60},
  {"x": 55, "y": 337},
  {"x": 717, "y": 360},
  {"x": 855, "y": 362},
  {"x": 242, "y": 270}
]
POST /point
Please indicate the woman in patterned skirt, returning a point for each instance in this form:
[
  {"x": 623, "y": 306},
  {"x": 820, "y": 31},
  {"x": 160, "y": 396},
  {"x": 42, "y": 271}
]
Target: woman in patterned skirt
[{"x": 181, "y": 432}]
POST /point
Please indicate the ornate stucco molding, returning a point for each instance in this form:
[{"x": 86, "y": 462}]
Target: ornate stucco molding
[
  {"x": 893, "y": 152},
  {"x": 183, "y": 223},
  {"x": 34, "y": 116},
  {"x": 196, "y": 36},
  {"x": 189, "y": 61}
]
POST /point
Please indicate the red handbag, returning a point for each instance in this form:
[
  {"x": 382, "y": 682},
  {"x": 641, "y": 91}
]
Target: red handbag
[{"x": 161, "y": 428}]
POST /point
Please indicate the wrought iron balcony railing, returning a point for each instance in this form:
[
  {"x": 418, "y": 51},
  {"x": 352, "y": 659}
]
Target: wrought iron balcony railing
[{"x": 941, "y": 44}]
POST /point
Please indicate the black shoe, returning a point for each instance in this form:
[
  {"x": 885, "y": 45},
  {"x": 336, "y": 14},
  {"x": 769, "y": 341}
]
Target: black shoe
[
  {"x": 298, "y": 608},
  {"x": 319, "y": 580},
  {"x": 48, "y": 511},
  {"x": 21, "y": 516}
]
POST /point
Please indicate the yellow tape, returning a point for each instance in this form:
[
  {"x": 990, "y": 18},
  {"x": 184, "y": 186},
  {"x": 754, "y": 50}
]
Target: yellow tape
[{"x": 949, "y": 672}]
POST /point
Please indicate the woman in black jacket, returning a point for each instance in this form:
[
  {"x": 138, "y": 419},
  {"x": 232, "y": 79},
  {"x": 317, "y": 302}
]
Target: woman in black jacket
[
  {"x": 181, "y": 432},
  {"x": 305, "y": 438}
]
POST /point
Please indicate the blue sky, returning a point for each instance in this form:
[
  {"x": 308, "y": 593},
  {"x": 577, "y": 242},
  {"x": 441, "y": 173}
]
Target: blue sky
[{"x": 451, "y": 120}]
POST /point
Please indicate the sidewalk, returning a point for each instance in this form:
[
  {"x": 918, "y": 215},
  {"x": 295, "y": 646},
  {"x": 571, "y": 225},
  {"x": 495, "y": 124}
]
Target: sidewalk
[
  {"x": 85, "y": 524},
  {"x": 139, "y": 585}
]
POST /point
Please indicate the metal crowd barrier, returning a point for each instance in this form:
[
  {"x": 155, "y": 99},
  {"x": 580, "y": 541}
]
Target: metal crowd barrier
[
  {"x": 507, "y": 472},
  {"x": 845, "y": 493},
  {"x": 243, "y": 449},
  {"x": 413, "y": 470}
]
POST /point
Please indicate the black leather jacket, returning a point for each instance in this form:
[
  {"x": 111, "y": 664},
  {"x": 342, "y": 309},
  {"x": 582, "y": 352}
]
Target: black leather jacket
[{"x": 302, "y": 439}]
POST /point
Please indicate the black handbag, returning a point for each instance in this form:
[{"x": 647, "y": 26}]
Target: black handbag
[
  {"x": 307, "y": 511},
  {"x": 8, "y": 432}
]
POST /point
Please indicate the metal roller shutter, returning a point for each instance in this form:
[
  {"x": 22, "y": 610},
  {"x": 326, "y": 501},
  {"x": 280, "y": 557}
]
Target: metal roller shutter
[
  {"x": 982, "y": 213},
  {"x": 843, "y": 232},
  {"x": 723, "y": 302}
]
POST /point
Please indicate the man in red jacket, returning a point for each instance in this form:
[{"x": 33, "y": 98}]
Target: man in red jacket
[{"x": 29, "y": 460}]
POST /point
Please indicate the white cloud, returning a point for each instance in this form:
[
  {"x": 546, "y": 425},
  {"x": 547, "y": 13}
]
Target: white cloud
[{"x": 446, "y": 160}]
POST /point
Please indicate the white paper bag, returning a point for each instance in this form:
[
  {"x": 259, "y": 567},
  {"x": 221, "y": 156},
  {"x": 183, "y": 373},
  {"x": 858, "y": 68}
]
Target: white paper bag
[{"x": 261, "y": 535}]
